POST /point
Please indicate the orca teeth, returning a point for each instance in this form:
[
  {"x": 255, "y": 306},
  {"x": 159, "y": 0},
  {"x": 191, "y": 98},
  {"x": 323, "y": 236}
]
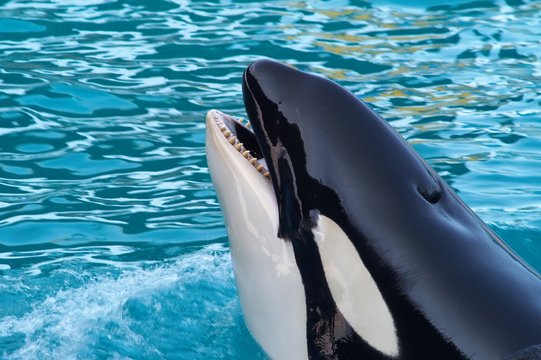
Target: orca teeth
[{"x": 233, "y": 140}]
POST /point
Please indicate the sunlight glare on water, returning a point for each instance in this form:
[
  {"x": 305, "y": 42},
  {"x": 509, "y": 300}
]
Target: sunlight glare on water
[{"x": 112, "y": 243}]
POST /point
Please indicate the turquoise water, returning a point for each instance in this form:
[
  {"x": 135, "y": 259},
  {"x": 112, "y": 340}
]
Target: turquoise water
[{"x": 112, "y": 244}]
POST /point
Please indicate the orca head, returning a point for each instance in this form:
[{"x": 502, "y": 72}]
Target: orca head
[
  {"x": 343, "y": 239},
  {"x": 318, "y": 172},
  {"x": 338, "y": 172},
  {"x": 323, "y": 146},
  {"x": 317, "y": 164}
]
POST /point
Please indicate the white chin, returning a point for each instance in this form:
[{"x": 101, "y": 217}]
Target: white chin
[{"x": 268, "y": 280}]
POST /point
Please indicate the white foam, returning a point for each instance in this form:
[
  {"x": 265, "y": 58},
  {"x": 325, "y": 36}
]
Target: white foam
[{"x": 69, "y": 323}]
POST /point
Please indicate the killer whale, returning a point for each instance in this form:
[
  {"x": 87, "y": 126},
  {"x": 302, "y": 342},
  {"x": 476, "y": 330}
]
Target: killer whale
[{"x": 346, "y": 244}]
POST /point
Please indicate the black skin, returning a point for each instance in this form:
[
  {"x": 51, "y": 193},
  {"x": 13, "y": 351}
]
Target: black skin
[{"x": 455, "y": 290}]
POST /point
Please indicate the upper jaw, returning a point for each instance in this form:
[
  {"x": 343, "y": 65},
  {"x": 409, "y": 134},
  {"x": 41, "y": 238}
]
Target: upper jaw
[{"x": 276, "y": 134}]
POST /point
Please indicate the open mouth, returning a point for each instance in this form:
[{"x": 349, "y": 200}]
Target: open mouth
[{"x": 239, "y": 135}]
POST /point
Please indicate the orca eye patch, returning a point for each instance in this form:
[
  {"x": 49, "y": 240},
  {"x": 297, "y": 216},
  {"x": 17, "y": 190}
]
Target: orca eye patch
[{"x": 242, "y": 138}]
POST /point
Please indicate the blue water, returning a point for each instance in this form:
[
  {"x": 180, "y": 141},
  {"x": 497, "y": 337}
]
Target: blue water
[{"x": 112, "y": 244}]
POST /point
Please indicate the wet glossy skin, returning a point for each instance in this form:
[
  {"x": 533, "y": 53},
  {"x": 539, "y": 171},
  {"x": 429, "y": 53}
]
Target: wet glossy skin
[{"x": 455, "y": 290}]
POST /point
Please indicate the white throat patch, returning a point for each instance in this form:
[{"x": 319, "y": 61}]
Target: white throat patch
[{"x": 353, "y": 288}]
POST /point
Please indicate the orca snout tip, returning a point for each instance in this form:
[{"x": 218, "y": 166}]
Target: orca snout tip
[
  {"x": 252, "y": 71},
  {"x": 263, "y": 68},
  {"x": 257, "y": 65}
]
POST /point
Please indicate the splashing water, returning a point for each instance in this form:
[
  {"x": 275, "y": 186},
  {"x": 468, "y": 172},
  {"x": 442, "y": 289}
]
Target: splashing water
[{"x": 153, "y": 309}]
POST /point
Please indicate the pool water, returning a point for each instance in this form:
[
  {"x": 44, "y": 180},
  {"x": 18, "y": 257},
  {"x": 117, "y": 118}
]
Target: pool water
[{"x": 112, "y": 243}]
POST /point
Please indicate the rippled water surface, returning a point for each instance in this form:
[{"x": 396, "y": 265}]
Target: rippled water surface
[{"x": 112, "y": 244}]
